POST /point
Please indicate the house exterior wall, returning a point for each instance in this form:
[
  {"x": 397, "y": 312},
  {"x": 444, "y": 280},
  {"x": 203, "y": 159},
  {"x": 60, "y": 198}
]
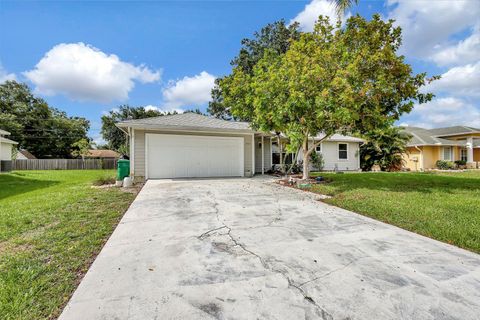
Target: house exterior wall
[
  {"x": 430, "y": 156},
  {"x": 5, "y": 151},
  {"x": 413, "y": 159},
  {"x": 330, "y": 156},
  {"x": 476, "y": 154},
  {"x": 138, "y": 166},
  {"x": 267, "y": 154}
]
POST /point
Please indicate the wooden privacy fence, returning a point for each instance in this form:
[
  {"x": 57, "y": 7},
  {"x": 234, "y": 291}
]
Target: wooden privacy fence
[{"x": 64, "y": 164}]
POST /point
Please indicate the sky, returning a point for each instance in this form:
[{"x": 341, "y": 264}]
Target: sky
[{"x": 89, "y": 57}]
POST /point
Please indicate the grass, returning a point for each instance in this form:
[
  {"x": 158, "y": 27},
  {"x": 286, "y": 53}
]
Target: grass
[
  {"x": 442, "y": 206},
  {"x": 52, "y": 225}
]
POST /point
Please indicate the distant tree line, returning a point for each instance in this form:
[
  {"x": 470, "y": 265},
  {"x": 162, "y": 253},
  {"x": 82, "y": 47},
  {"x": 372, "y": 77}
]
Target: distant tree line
[
  {"x": 41, "y": 129},
  {"x": 114, "y": 137}
]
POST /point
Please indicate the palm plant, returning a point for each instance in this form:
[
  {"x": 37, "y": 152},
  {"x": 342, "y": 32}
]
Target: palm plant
[
  {"x": 342, "y": 5},
  {"x": 385, "y": 149}
]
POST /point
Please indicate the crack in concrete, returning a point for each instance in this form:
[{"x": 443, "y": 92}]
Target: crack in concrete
[
  {"x": 320, "y": 311},
  {"x": 328, "y": 273},
  {"x": 206, "y": 233}
]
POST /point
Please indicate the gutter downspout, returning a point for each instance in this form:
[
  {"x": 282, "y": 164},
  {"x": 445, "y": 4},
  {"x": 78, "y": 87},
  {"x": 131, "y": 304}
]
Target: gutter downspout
[{"x": 421, "y": 156}]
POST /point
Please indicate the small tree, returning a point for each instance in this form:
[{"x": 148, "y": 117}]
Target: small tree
[
  {"x": 336, "y": 79},
  {"x": 80, "y": 148}
]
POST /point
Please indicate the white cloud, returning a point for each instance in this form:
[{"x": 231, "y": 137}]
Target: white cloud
[
  {"x": 462, "y": 80},
  {"x": 83, "y": 72},
  {"x": 465, "y": 51},
  {"x": 427, "y": 25},
  {"x": 444, "y": 112},
  {"x": 312, "y": 11},
  {"x": 160, "y": 109},
  {"x": 4, "y": 75},
  {"x": 189, "y": 91}
]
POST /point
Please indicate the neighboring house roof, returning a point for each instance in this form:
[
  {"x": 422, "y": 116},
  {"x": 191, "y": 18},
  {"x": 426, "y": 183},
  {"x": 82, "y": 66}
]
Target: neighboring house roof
[
  {"x": 4, "y": 133},
  {"x": 27, "y": 154},
  {"x": 102, "y": 153},
  {"x": 429, "y": 137},
  {"x": 453, "y": 131},
  {"x": 5, "y": 140},
  {"x": 187, "y": 121}
]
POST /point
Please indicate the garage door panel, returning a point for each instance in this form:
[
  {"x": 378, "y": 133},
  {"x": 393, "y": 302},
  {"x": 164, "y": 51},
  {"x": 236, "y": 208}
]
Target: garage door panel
[{"x": 183, "y": 156}]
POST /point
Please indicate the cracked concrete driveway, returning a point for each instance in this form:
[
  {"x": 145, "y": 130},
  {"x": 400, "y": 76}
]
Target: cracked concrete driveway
[{"x": 250, "y": 249}]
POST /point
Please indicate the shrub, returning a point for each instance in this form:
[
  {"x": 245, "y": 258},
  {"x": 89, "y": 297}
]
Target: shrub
[
  {"x": 445, "y": 165},
  {"x": 461, "y": 162},
  {"x": 316, "y": 159},
  {"x": 104, "y": 180}
]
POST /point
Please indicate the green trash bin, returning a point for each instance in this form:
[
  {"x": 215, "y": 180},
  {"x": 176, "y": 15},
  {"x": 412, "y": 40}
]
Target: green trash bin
[{"x": 123, "y": 169}]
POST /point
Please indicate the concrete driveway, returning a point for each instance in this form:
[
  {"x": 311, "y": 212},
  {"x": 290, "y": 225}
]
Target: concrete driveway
[{"x": 249, "y": 249}]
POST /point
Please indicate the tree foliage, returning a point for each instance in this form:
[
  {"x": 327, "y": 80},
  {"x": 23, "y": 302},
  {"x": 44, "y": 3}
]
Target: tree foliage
[
  {"x": 275, "y": 37},
  {"x": 80, "y": 148},
  {"x": 384, "y": 148},
  {"x": 341, "y": 6},
  {"x": 116, "y": 138},
  {"x": 42, "y": 130},
  {"x": 336, "y": 79}
]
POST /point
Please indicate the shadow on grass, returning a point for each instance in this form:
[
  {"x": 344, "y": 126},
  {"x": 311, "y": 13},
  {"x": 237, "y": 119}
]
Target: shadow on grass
[
  {"x": 402, "y": 182},
  {"x": 12, "y": 184}
]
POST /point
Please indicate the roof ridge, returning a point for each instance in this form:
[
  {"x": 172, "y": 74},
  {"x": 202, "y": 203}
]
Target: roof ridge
[{"x": 418, "y": 137}]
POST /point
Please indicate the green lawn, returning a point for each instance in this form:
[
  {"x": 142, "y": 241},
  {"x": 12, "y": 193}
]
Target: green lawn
[
  {"x": 443, "y": 206},
  {"x": 52, "y": 224}
]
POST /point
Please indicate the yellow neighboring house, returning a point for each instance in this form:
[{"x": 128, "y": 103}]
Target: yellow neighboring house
[{"x": 451, "y": 143}]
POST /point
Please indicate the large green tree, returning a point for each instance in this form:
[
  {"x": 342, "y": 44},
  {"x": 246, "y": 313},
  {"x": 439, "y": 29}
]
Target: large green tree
[
  {"x": 336, "y": 79},
  {"x": 275, "y": 37},
  {"x": 115, "y": 138},
  {"x": 42, "y": 130}
]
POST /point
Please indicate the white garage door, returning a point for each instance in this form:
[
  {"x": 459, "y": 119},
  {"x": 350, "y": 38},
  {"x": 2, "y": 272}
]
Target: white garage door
[{"x": 186, "y": 156}]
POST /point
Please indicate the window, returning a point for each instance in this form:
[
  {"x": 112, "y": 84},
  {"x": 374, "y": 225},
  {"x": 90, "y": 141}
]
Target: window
[
  {"x": 276, "y": 155},
  {"x": 318, "y": 148},
  {"x": 447, "y": 153},
  {"x": 463, "y": 155},
  {"x": 343, "y": 151}
]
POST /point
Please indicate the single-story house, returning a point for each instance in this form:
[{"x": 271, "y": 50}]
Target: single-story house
[
  {"x": 192, "y": 145},
  {"x": 25, "y": 155},
  {"x": 102, "y": 154},
  {"x": 427, "y": 146},
  {"x": 6, "y": 146}
]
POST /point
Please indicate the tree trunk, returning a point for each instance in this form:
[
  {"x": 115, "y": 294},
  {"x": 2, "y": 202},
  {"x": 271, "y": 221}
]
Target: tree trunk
[
  {"x": 306, "y": 160},
  {"x": 280, "y": 148}
]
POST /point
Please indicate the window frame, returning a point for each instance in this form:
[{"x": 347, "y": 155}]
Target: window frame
[
  {"x": 338, "y": 151},
  {"x": 450, "y": 148},
  {"x": 462, "y": 152},
  {"x": 319, "y": 146},
  {"x": 281, "y": 155}
]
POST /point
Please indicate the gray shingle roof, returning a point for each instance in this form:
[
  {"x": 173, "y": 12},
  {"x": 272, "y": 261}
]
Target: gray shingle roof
[
  {"x": 340, "y": 138},
  {"x": 422, "y": 137},
  {"x": 453, "y": 130},
  {"x": 187, "y": 121}
]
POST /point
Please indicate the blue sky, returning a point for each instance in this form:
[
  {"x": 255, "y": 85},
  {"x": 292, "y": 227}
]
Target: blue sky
[{"x": 89, "y": 57}]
